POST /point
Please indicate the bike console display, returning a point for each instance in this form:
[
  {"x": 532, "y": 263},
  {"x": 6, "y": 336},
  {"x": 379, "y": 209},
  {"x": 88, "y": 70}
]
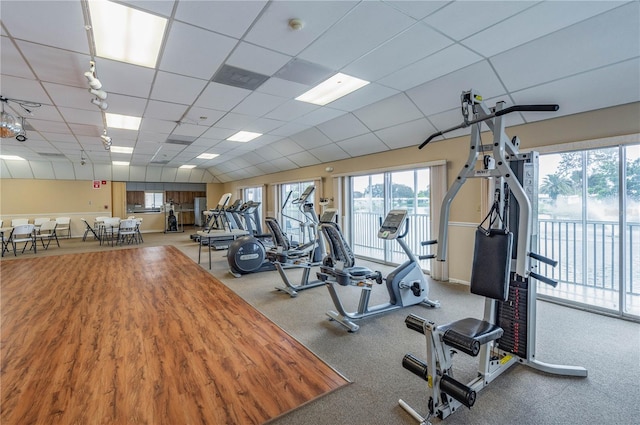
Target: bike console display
[{"x": 392, "y": 224}]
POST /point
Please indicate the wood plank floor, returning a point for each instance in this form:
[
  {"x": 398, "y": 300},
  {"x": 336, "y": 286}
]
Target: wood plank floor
[{"x": 142, "y": 336}]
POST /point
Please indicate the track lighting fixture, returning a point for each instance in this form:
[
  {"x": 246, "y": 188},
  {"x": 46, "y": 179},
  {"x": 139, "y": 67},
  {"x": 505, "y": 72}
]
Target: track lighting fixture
[
  {"x": 100, "y": 104},
  {"x": 106, "y": 140},
  {"x": 22, "y": 135},
  {"x": 94, "y": 83},
  {"x": 100, "y": 94}
]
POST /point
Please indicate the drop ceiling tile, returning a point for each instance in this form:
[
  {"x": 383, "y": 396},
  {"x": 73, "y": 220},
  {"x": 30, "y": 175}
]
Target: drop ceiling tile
[
  {"x": 160, "y": 7},
  {"x": 21, "y": 88},
  {"x": 343, "y": 127},
  {"x": 564, "y": 52},
  {"x": 282, "y": 88},
  {"x": 164, "y": 111},
  {"x": 284, "y": 164},
  {"x": 362, "y": 97},
  {"x": 202, "y": 116},
  {"x": 257, "y": 59},
  {"x": 87, "y": 129},
  {"x": 63, "y": 171},
  {"x": 319, "y": 116},
  {"x": 291, "y": 110},
  {"x": 304, "y": 159},
  {"x": 289, "y": 129},
  {"x": 417, "y": 42},
  {"x": 73, "y": 97},
  {"x": 137, "y": 173},
  {"x": 417, "y": 9},
  {"x": 311, "y": 138},
  {"x": 153, "y": 173},
  {"x": 447, "y": 89},
  {"x": 42, "y": 170},
  {"x": 267, "y": 154},
  {"x": 258, "y": 104},
  {"x": 541, "y": 19},
  {"x": 197, "y": 176},
  {"x": 388, "y": 112},
  {"x": 286, "y": 147},
  {"x": 125, "y": 105},
  {"x": 234, "y": 121},
  {"x": 4, "y": 170},
  {"x": 44, "y": 127},
  {"x": 407, "y": 134},
  {"x": 176, "y": 58},
  {"x": 137, "y": 82},
  {"x": 445, "y": 61},
  {"x": 56, "y": 65},
  {"x": 226, "y": 17},
  {"x": 189, "y": 130},
  {"x": 45, "y": 113},
  {"x": 328, "y": 153},
  {"x": 264, "y": 125},
  {"x": 120, "y": 173},
  {"x": 218, "y": 134},
  {"x": 20, "y": 169},
  {"x": 221, "y": 97},
  {"x": 12, "y": 62},
  {"x": 375, "y": 23},
  {"x": 272, "y": 29},
  {"x": 158, "y": 127},
  {"x": 22, "y": 23},
  {"x": 590, "y": 90},
  {"x": 363, "y": 145},
  {"x": 183, "y": 175},
  {"x": 472, "y": 17},
  {"x": 176, "y": 88}
]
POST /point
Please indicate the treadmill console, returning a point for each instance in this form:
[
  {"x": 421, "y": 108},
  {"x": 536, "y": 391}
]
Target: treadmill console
[
  {"x": 329, "y": 215},
  {"x": 392, "y": 224}
]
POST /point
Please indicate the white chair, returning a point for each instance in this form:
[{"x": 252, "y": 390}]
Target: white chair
[
  {"x": 39, "y": 220},
  {"x": 48, "y": 233},
  {"x": 109, "y": 233},
  {"x": 127, "y": 232},
  {"x": 19, "y": 222},
  {"x": 64, "y": 225},
  {"x": 23, "y": 233}
]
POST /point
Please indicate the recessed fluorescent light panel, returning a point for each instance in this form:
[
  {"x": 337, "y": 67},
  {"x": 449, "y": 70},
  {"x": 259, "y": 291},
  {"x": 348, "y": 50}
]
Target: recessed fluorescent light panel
[
  {"x": 187, "y": 166},
  {"x": 244, "y": 136},
  {"x": 120, "y": 162},
  {"x": 123, "y": 121},
  {"x": 121, "y": 149},
  {"x": 125, "y": 34},
  {"x": 334, "y": 88},
  {"x": 12, "y": 157},
  {"x": 208, "y": 156}
]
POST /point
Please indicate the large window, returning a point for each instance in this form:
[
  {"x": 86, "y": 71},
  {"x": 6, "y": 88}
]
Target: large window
[
  {"x": 254, "y": 194},
  {"x": 589, "y": 221},
  {"x": 373, "y": 196}
]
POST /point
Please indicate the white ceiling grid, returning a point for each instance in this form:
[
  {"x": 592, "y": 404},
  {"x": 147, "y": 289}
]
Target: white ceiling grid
[{"x": 418, "y": 56}]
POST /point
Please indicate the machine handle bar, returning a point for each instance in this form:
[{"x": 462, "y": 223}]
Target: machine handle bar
[
  {"x": 514, "y": 108},
  {"x": 544, "y": 279},
  {"x": 545, "y": 260},
  {"x": 426, "y": 257},
  {"x": 431, "y": 242}
]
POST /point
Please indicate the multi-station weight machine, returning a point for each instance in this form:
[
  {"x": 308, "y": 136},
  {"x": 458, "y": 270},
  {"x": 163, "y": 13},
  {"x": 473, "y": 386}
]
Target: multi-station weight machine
[{"x": 503, "y": 267}]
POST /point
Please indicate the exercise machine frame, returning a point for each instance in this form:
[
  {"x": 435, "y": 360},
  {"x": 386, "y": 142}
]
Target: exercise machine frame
[
  {"x": 506, "y": 335},
  {"x": 406, "y": 284}
]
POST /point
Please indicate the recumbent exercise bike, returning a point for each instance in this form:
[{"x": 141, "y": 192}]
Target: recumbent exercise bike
[{"x": 406, "y": 284}]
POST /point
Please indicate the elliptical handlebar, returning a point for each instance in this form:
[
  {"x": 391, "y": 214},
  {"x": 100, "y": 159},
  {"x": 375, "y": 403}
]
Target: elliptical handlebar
[{"x": 514, "y": 108}]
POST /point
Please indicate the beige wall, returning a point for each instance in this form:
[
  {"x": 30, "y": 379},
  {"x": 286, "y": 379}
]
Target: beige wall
[{"x": 32, "y": 198}]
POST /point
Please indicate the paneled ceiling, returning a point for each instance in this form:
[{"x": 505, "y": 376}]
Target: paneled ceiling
[{"x": 418, "y": 55}]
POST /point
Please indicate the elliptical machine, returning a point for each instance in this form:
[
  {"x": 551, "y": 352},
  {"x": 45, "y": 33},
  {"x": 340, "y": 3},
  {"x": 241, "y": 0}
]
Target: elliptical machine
[
  {"x": 406, "y": 284},
  {"x": 248, "y": 254}
]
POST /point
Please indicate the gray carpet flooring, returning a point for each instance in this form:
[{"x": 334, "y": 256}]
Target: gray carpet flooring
[{"x": 371, "y": 358}]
